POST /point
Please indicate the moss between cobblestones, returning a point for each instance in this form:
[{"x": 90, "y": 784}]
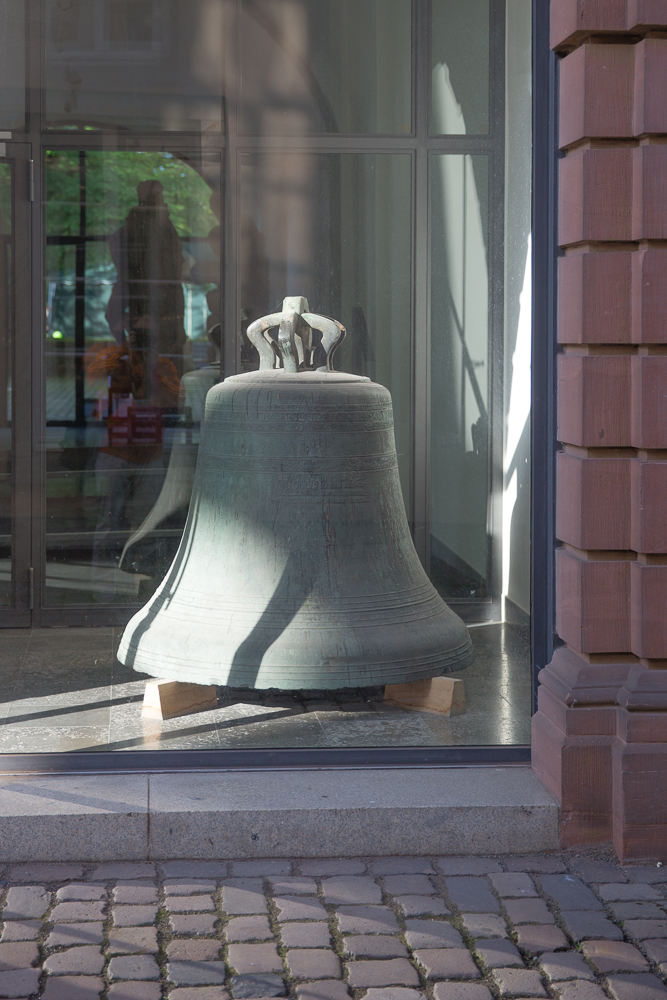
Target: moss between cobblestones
[{"x": 165, "y": 934}]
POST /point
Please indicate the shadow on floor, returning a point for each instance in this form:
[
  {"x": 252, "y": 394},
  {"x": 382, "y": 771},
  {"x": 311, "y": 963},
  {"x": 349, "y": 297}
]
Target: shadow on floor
[{"x": 64, "y": 690}]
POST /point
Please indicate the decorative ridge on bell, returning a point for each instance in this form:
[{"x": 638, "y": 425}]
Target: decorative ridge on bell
[{"x": 292, "y": 349}]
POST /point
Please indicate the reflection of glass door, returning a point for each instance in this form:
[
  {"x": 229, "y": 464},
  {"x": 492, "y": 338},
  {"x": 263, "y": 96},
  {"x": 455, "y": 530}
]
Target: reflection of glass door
[
  {"x": 15, "y": 360},
  {"x": 132, "y": 336}
]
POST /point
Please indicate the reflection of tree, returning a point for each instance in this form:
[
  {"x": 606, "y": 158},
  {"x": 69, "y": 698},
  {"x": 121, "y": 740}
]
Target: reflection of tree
[{"x": 111, "y": 184}]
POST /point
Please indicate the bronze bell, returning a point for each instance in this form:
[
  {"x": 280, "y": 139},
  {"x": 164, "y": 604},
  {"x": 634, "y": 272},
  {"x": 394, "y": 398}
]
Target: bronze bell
[{"x": 296, "y": 568}]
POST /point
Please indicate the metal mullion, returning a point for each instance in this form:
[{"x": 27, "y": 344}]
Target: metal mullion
[
  {"x": 544, "y": 346},
  {"x": 497, "y": 44},
  {"x": 496, "y": 216},
  {"x": 39, "y": 389},
  {"x": 421, "y": 295},
  {"x": 37, "y": 270},
  {"x": 88, "y": 615},
  {"x": 311, "y": 758},
  {"x": 471, "y": 144},
  {"x": 496, "y": 390},
  {"x": 80, "y": 300},
  {"x": 332, "y": 149},
  {"x": 148, "y": 142},
  {"x": 231, "y": 269},
  {"x": 327, "y": 143},
  {"x": 18, "y": 612}
]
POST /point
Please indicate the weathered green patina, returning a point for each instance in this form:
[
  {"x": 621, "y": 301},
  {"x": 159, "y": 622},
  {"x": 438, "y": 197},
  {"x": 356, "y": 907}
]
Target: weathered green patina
[{"x": 296, "y": 568}]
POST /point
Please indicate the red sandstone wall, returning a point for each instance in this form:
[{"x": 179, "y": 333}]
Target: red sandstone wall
[{"x": 600, "y": 735}]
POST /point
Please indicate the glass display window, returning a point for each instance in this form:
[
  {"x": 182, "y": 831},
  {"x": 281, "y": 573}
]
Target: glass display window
[{"x": 193, "y": 194}]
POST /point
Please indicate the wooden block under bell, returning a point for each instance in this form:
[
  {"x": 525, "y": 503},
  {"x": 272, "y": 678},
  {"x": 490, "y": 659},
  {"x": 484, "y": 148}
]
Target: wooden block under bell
[
  {"x": 169, "y": 699},
  {"x": 440, "y": 695}
]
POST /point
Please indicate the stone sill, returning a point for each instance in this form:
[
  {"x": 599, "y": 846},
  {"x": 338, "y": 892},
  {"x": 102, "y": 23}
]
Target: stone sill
[{"x": 259, "y": 814}]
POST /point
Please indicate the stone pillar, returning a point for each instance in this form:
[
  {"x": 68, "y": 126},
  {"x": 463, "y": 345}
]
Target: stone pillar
[{"x": 600, "y": 734}]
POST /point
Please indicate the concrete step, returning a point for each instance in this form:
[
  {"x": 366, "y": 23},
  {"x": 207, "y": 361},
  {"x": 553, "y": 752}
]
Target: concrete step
[{"x": 260, "y": 814}]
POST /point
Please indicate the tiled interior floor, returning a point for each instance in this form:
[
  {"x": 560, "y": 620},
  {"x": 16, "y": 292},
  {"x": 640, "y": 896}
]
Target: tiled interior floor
[{"x": 63, "y": 689}]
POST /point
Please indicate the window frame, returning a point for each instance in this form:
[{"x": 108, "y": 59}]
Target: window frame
[{"x": 422, "y": 147}]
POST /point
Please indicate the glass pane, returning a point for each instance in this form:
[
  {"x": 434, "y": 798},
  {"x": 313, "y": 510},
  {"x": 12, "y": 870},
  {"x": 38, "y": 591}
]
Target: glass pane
[
  {"x": 132, "y": 347},
  {"x": 12, "y": 64},
  {"x": 6, "y": 352},
  {"x": 134, "y": 64},
  {"x": 459, "y": 375},
  {"x": 332, "y": 66},
  {"x": 460, "y": 67},
  {"x": 518, "y": 318},
  {"x": 325, "y": 233}
]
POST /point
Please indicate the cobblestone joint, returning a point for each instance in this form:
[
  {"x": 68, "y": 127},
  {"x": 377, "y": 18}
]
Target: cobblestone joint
[{"x": 558, "y": 926}]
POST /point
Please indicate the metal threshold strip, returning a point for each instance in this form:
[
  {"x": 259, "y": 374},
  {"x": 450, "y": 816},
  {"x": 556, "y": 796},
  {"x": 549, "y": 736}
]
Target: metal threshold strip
[{"x": 79, "y": 762}]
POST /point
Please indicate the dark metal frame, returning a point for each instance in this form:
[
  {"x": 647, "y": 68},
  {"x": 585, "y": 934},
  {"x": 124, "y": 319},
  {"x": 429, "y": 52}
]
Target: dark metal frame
[
  {"x": 247, "y": 760},
  {"x": 17, "y": 614},
  {"x": 544, "y": 343},
  {"x": 421, "y": 146}
]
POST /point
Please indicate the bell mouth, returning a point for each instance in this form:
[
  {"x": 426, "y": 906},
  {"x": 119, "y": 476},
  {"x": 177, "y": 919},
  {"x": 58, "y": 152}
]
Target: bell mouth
[{"x": 297, "y": 378}]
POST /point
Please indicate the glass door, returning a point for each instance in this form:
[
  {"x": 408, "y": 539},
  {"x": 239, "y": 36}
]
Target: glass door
[
  {"x": 195, "y": 164},
  {"x": 16, "y": 576},
  {"x": 131, "y": 346}
]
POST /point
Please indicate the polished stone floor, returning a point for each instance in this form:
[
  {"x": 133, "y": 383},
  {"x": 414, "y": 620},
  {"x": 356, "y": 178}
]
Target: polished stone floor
[{"x": 62, "y": 689}]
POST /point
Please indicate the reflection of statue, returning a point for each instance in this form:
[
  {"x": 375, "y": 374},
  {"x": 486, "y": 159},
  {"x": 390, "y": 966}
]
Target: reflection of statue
[
  {"x": 145, "y": 314},
  {"x": 148, "y": 256},
  {"x": 172, "y": 501},
  {"x": 177, "y": 486}
]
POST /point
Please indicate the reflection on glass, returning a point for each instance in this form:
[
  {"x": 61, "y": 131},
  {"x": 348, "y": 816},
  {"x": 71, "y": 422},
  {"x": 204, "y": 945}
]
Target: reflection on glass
[
  {"x": 459, "y": 375},
  {"x": 518, "y": 315},
  {"x": 460, "y": 67},
  {"x": 6, "y": 349},
  {"x": 334, "y": 66},
  {"x": 327, "y": 235},
  {"x": 135, "y": 64},
  {"x": 12, "y": 64},
  {"x": 132, "y": 346}
]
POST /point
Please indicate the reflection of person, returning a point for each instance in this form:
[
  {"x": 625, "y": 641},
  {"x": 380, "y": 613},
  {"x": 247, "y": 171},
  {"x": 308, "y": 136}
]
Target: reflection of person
[
  {"x": 148, "y": 256},
  {"x": 143, "y": 369},
  {"x": 173, "y": 500},
  {"x": 177, "y": 486}
]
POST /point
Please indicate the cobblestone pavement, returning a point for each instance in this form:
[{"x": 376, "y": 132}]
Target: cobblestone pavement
[{"x": 579, "y": 927}]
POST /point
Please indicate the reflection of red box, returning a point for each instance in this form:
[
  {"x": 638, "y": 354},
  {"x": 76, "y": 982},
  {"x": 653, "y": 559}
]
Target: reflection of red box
[
  {"x": 141, "y": 426},
  {"x": 145, "y": 425}
]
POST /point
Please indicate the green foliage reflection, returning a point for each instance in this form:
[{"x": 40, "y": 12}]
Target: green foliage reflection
[{"x": 111, "y": 181}]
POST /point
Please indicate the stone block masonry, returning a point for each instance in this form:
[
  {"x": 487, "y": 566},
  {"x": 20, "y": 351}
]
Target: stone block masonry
[{"x": 600, "y": 734}]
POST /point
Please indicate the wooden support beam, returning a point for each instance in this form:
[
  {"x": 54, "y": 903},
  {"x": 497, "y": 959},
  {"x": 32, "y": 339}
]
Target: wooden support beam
[
  {"x": 169, "y": 699},
  {"x": 440, "y": 695}
]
